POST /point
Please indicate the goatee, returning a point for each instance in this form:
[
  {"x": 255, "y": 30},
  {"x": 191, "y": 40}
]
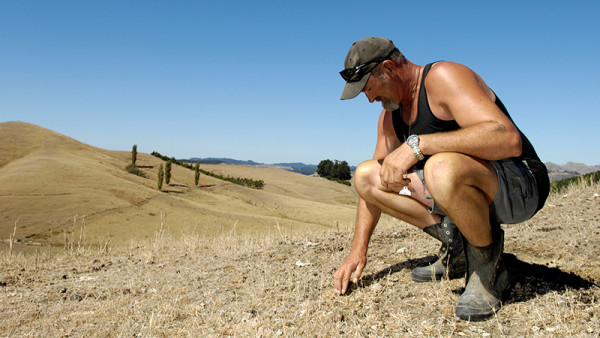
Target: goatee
[{"x": 389, "y": 105}]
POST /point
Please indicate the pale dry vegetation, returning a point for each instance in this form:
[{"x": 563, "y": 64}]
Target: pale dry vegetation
[
  {"x": 51, "y": 186},
  {"x": 90, "y": 250},
  {"x": 281, "y": 284}
]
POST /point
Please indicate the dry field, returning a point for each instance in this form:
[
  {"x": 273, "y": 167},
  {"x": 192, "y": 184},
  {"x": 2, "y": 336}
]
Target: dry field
[
  {"x": 52, "y": 187},
  {"x": 174, "y": 275}
]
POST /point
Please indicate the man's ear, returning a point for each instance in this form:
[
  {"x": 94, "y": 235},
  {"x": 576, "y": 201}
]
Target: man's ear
[{"x": 388, "y": 66}]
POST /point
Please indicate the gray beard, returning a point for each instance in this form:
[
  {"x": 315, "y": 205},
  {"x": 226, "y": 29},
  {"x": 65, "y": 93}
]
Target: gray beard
[{"x": 389, "y": 105}]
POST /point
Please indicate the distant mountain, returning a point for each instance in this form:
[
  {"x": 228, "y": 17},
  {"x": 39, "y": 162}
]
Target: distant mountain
[
  {"x": 558, "y": 172},
  {"x": 216, "y": 160},
  {"x": 297, "y": 167}
]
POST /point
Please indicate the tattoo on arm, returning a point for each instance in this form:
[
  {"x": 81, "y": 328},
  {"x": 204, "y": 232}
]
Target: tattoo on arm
[{"x": 500, "y": 128}]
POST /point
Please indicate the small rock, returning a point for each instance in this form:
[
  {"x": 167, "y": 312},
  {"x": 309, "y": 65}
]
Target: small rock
[
  {"x": 75, "y": 297},
  {"x": 376, "y": 287}
]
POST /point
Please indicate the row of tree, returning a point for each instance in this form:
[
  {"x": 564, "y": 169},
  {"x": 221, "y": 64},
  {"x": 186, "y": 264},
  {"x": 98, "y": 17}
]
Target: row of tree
[
  {"x": 247, "y": 182},
  {"x": 164, "y": 172}
]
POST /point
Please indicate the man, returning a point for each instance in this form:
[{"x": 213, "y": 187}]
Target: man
[{"x": 449, "y": 160}]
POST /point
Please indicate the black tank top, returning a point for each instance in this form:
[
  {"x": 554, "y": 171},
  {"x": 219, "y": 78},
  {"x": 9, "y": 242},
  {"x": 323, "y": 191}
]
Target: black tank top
[{"x": 427, "y": 123}]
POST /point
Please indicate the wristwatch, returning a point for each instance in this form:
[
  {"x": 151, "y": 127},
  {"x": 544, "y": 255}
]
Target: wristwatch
[{"x": 413, "y": 142}]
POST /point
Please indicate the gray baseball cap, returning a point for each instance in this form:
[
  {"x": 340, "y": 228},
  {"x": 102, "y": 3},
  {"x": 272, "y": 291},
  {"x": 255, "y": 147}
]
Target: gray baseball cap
[{"x": 364, "y": 55}]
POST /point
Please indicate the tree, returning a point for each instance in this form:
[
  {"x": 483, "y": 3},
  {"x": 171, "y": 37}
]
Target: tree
[
  {"x": 161, "y": 174},
  {"x": 134, "y": 154},
  {"x": 343, "y": 171},
  {"x": 335, "y": 170},
  {"x": 168, "y": 172},
  {"x": 196, "y": 173},
  {"x": 324, "y": 168}
]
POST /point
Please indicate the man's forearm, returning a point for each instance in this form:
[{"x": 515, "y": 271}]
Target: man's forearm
[
  {"x": 367, "y": 216},
  {"x": 488, "y": 140}
]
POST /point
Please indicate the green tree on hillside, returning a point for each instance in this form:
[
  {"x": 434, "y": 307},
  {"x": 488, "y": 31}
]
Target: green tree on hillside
[
  {"x": 168, "y": 172},
  {"x": 342, "y": 170},
  {"x": 197, "y": 173},
  {"x": 161, "y": 174},
  {"x": 338, "y": 170},
  {"x": 324, "y": 168},
  {"x": 134, "y": 154}
]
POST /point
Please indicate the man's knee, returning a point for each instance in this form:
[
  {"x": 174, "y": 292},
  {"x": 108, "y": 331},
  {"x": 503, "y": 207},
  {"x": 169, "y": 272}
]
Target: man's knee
[
  {"x": 365, "y": 176},
  {"x": 442, "y": 171}
]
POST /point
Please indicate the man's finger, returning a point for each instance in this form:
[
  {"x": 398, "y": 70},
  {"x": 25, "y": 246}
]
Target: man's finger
[
  {"x": 344, "y": 285},
  {"x": 341, "y": 281},
  {"x": 357, "y": 273}
]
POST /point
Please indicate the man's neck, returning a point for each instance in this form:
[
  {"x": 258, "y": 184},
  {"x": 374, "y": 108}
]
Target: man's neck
[{"x": 410, "y": 75}]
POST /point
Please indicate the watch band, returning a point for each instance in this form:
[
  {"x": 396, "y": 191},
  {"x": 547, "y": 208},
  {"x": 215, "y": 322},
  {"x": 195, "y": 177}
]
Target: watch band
[{"x": 418, "y": 153}]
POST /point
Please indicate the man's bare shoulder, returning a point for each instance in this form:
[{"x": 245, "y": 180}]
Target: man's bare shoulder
[
  {"x": 448, "y": 72},
  {"x": 452, "y": 86}
]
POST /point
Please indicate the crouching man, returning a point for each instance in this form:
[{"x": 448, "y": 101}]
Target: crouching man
[{"x": 450, "y": 161}]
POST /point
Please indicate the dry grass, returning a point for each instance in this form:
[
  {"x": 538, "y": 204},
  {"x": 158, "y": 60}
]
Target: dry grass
[
  {"x": 48, "y": 180},
  {"x": 281, "y": 284},
  {"x": 225, "y": 260}
]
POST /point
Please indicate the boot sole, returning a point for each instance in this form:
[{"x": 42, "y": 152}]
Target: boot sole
[
  {"x": 477, "y": 317},
  {"x": 423, "y": 278}
]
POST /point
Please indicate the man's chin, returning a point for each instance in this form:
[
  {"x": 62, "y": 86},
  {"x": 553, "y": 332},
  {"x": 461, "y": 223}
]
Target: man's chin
[{"x": 389, "y": 105}]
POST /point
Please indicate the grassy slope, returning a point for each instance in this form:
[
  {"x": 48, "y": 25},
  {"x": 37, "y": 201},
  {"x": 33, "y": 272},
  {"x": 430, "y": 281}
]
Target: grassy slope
[
  {"x": 52, "y": 187},
  {"x": 171, "y": 283}
]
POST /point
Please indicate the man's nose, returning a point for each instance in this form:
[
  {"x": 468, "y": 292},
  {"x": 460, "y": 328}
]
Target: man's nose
[{"x": 371, "y": 98}]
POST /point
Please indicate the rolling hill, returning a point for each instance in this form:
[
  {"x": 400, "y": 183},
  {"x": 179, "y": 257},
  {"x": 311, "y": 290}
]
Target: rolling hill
[{"x": 54, "y": 189}]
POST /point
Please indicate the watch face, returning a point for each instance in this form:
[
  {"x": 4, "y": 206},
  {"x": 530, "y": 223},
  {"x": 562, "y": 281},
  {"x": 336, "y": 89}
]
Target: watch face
[{"x": 412, "y": 140}]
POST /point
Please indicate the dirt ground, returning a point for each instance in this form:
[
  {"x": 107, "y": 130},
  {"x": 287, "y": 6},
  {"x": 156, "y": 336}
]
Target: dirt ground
[{"x": 281, "y": 284}]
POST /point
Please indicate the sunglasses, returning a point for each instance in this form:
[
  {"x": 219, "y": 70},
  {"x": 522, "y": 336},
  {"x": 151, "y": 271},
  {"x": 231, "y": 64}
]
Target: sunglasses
[{"x": 356, "y": 73}]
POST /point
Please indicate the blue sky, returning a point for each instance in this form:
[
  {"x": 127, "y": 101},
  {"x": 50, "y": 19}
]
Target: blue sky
[{"x": 258, "y": 80}]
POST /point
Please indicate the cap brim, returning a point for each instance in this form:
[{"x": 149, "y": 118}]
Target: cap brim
[{"x": 352, "y": 89}]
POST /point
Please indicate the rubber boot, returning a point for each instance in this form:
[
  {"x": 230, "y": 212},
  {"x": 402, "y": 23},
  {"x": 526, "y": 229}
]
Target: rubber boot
[
  {"x": 487, "y": 280},
  {"x": 451, "y": 259}
]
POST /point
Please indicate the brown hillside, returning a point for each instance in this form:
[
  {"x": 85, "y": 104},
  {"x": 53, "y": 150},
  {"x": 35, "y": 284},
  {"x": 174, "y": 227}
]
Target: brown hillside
[{"x": 53, "y": 187}]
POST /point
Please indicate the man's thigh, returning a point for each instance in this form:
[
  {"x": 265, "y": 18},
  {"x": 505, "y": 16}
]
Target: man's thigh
[{"x": 460, "y": 169}]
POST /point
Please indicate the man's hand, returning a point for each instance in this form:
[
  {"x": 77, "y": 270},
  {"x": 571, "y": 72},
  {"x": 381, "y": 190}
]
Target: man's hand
[
  {"x": 395, "y": 165},
  {"x": 353, "y": 263}
]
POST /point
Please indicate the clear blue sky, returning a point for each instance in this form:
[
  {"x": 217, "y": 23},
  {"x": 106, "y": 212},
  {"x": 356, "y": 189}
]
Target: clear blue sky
[{"x": 258, "y": 80}]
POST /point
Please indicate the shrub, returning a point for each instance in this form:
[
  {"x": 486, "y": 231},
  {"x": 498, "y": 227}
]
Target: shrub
[
  {"x": 133, "y": 169},
  {"x": 559, "y": 186}
]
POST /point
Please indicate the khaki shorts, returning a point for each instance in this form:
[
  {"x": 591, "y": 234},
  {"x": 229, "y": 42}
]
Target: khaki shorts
[{"x": 517, "y": 197}]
